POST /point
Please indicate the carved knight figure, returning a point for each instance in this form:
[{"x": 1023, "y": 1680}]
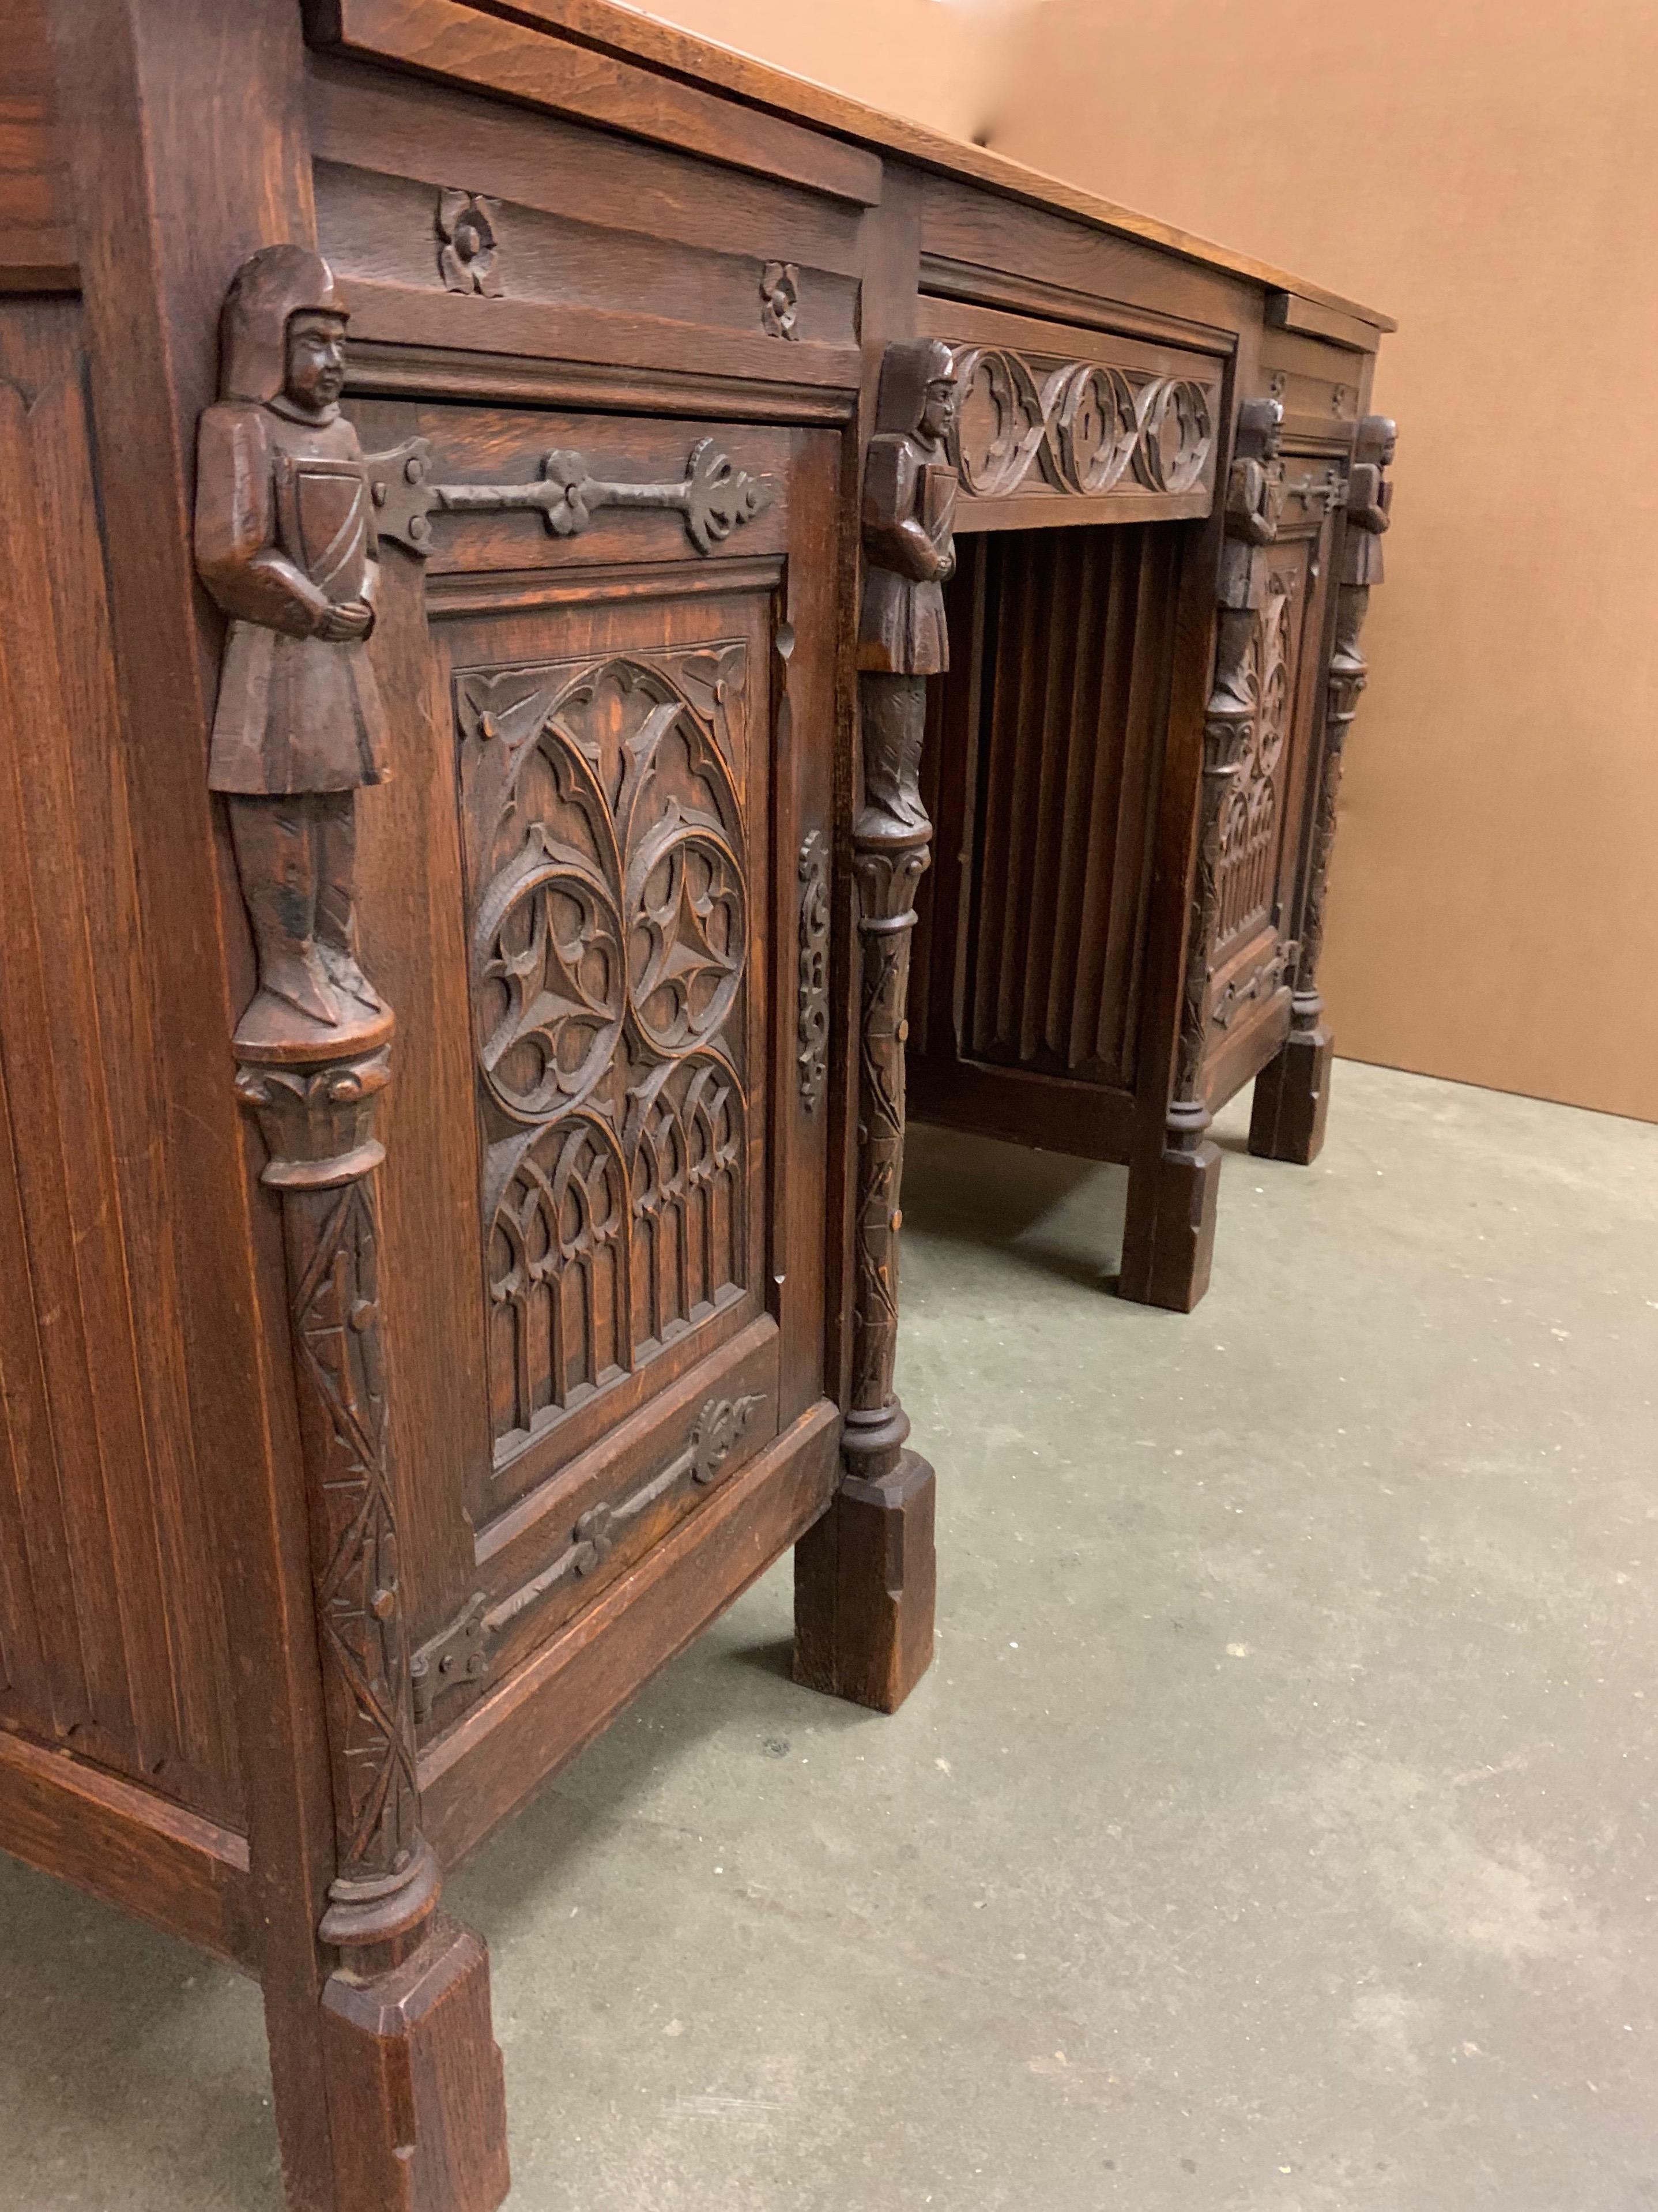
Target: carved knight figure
[
  {"x": 909, "y": 507},
  {"x": 1370, "y": 502},
  {"x": 285, "y": 542},
  {"x": 1255, "y": 501}
]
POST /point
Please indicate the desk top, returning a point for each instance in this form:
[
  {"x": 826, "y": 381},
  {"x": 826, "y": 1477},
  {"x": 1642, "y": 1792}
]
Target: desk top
[{"x": 608, "y": 29}]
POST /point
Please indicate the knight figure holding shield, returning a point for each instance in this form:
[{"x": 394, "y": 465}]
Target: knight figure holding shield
[{"x": 285, "y": 543}]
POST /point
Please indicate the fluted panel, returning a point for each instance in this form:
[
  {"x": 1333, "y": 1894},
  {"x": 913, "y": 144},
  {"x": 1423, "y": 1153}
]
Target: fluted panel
[{"x": 1076, "y": 644}]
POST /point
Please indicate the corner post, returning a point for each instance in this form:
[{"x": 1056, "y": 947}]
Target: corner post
[
  {"x": 285, "y": 543},
  {"x": 864, "y": 1574},
  {"x": 1169, "y": 1236},
  {"x": 1292, "y": 1092}
]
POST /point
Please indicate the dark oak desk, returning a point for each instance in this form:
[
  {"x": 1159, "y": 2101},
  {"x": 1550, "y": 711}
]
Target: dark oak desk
[{"x": 485, "y": 492}]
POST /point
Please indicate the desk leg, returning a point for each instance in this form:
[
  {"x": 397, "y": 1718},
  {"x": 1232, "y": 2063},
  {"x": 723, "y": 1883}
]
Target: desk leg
[
  {"x": 1292, "y": 1092},
  {"x": 865, "y": 1576},
  {"x": 1169, "y": 1235},
  {"x": 399, "y": 2029}
]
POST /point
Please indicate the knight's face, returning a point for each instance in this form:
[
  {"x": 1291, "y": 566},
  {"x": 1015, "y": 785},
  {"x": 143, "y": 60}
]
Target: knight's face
[
  {"x": 316, "y": 361},
  {"x": 937, "y": 408}
]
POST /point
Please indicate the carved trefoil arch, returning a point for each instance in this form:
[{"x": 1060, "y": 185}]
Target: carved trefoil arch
[{"x": 609, "y": 899}]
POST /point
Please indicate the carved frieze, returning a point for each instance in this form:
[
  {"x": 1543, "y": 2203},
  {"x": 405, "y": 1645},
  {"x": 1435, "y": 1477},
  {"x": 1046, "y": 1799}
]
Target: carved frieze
[
  {"x": 609, "y": 912},
  {"x": 1080, "y": 427}
]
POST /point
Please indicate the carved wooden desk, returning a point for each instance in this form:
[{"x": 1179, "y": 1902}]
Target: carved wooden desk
[{"x": 490, "y": 496}]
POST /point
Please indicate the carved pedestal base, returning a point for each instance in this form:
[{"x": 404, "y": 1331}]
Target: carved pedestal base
[
  {"x": 416, "y": 2105},
  {"x": 1292, "y": 1097},
  {"x": 864, "y": 1581},
  {"x": 1168, "y": 1239}
]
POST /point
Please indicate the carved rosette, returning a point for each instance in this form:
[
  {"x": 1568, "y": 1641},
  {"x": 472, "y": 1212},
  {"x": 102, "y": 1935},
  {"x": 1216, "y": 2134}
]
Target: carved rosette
[{"x": 317, "y": 1120}]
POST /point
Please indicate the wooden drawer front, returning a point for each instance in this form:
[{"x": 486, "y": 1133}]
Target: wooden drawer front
[
  {"x": 604, "y": 1195},
  {"x": 1059, "y": 425}
]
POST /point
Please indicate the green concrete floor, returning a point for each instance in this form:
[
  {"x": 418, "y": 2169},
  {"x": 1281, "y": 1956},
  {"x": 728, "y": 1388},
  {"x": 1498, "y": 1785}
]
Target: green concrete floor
[{"x": 1274, "y": 1833}]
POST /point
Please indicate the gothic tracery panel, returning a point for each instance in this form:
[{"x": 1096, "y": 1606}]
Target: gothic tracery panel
[
  {"x": 1247, "y": 871},
  {"x": 609, "y": 906}
]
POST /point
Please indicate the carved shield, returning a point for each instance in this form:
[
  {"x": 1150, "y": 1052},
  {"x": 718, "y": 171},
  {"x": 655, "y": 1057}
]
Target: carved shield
[{"x": 322, "y": 516}]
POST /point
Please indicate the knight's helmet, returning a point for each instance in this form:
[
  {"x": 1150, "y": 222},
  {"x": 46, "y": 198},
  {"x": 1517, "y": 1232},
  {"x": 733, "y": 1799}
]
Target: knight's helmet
[
  {"x": 1374, "y": 440},
  {"x": 272, "y": 284},
  {"x": 906, "y": 369}
]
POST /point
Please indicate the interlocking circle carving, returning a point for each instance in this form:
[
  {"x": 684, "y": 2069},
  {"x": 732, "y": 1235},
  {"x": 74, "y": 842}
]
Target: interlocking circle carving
[{"x": 1084, "y": 424}]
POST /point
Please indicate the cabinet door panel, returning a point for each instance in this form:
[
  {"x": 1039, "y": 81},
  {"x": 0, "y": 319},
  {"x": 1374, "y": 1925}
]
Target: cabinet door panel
[
  {"x": 605, "y": 1188},
  {"x": 1261, "y": 819}
]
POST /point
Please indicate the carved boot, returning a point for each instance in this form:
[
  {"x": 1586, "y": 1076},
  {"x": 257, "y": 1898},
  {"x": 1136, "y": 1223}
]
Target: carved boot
[
  {"x": 276, "y": 862},
  {"x": 336, "y": 916}
]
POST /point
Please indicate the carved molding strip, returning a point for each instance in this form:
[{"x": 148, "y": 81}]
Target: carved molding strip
[
  {"x": 462, "y": 1653},
  {"x": 812, "y": 1019},
  {"x": 1082, "y": 427},
  {"x": 714, "y": 496}
]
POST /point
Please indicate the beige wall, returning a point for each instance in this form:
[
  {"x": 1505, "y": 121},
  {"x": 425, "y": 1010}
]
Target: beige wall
[{"x": 1487, "y": 171}]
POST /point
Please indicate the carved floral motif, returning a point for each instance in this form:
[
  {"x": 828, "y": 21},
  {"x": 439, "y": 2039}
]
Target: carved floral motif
[
  {"x": 780, "y": 299},
  {"x": 467, "y": 249}
]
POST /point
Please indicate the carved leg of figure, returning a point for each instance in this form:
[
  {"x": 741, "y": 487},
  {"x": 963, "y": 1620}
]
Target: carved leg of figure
[
  {"x": 417, "y": 2119},
  {"x": 1292, "y": 1092},
  {"x": 276, "y": 847},
  {"x": 337, "y": 915},
  {"x": 865, "y": 1576}
]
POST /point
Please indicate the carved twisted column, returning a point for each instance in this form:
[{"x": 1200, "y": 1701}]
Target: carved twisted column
[{"x": 1293, "y": 1092}]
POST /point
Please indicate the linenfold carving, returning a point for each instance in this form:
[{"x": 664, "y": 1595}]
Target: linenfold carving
[
  {"x": 467, "y": 250},
  {"x": 1081, "y": 426},
  {"x": 714, "y": 496},
  {"x": 609, "y": 917}
]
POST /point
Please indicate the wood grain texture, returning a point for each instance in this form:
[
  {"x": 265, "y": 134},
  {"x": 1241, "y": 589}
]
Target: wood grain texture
[
  {"x": 127, "y": 1847},
  {"x": 112, "y": 1632},
  {"x": 478, "y": 1773},
  {"x": 448, "y": 39},
  {"x": 37, "y": 216},
  {"x": 616, "y": 31}
]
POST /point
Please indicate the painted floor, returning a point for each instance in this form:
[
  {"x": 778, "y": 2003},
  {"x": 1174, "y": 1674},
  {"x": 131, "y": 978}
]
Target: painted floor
[{"x": 1275, "y": 1831}]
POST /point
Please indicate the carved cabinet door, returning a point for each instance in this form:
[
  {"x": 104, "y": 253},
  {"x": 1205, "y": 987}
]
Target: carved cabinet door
[
  {"x": 1263, "y": 813},
  {"x": 607, "y": 840}
]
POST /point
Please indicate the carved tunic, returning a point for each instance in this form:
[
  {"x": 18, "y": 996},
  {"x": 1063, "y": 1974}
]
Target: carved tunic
[
  {"x": 909, "y": 506},
  {"x": 284, "y": 531},
  {"x": 1369, "y": 498}
]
